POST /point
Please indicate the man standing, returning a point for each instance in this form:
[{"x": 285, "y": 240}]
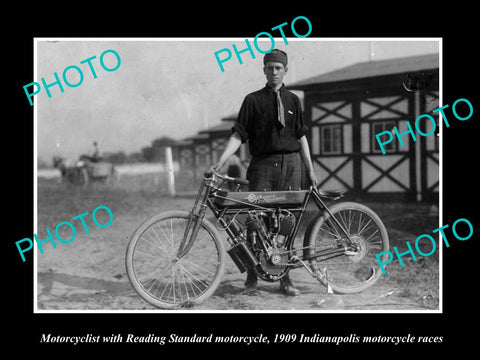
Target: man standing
[{"x": 271, "y": 120}]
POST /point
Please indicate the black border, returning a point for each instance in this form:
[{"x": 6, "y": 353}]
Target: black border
[{"x": 460, "y": 70}]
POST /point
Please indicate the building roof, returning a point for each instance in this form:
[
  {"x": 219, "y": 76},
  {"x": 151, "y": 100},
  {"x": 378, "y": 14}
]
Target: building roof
[
  {"x": 370, "y": 69},
  {"x": 225, "y": 125},
  {"x": 183, "y": 142},
  {"x": 231, "y": 117},
  {"x": 196, "y": 137}
]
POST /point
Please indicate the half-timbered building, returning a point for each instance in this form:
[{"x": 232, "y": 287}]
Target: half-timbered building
[{"x": 345, "y": 108}]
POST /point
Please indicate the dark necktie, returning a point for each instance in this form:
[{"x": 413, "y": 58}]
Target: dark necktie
[{"x": 281, "y": 111}]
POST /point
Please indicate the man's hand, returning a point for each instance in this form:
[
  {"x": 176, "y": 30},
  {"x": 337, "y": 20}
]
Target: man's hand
[{"x": 213, "y": 168}]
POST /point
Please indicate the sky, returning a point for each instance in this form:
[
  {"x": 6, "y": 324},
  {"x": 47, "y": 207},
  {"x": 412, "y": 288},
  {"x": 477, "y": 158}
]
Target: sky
[{"x": 170, "y": 87}]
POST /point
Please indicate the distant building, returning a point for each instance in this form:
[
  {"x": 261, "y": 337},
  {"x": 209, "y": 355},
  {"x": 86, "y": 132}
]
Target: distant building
[{"x": 200, "y": 151}]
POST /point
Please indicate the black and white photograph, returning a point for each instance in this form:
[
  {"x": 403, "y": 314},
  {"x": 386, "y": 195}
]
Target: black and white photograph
[
  {"x": 221, "y": 180},
  {"x": 168, "y": 182}
]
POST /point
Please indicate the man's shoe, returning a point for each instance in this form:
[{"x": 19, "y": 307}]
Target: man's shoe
[{"x": 287, "y": 288}]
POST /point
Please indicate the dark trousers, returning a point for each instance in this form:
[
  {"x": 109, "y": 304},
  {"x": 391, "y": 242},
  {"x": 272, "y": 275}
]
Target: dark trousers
[{"x": 275, "y": 172}]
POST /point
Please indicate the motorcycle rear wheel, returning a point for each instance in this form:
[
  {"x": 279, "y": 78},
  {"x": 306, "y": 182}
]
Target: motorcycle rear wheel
[{"x": 355, "y": 270}]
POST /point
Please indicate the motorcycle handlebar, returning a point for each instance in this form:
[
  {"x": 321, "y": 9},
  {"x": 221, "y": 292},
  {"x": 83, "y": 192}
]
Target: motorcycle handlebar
[{"x": 239, "y": 181}]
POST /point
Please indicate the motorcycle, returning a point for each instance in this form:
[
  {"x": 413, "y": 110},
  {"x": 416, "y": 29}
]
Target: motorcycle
[{"x": 176, "y": 259}]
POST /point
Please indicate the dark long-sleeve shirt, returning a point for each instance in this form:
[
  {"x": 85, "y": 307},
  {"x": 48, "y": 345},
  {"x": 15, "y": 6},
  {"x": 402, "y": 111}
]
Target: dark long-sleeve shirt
[{"x": 258, "y": 123}]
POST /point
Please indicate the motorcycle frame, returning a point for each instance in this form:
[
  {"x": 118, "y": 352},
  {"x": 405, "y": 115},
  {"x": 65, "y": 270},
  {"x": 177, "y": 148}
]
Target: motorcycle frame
[{"x": 206, "y": 196}]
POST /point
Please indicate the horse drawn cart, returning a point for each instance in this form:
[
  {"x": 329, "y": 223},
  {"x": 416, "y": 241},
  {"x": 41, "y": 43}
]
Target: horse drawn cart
[{"x": 85, "y": 171}]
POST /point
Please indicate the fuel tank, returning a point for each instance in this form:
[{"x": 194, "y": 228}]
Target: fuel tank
[{"x": 231, "y": 199}]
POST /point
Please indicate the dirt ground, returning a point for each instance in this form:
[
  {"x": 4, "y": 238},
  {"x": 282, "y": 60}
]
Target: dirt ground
[{"x": 89, "y": 272}]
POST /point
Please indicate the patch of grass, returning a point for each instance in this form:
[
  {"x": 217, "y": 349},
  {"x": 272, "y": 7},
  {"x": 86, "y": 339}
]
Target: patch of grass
[
  {"x": 59, "y": 202},
  {"x": 417, "y": 280}
]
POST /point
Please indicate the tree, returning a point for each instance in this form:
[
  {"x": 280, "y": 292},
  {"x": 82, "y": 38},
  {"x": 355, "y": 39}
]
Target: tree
[
  {"x": 156, "y": 152},
  {"x": 118, "y": 157},
  {"x": 163, "y": 142},
  {"x": 147, "y": 153}
]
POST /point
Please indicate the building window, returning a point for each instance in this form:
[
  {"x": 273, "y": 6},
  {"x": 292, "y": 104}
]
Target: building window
[
  {"x": 331, "y": 139},
  {"x": 377, "y": 128}
]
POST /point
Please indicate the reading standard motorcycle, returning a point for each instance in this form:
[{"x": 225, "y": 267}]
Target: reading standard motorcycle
[{"x": 176, "y": 259}]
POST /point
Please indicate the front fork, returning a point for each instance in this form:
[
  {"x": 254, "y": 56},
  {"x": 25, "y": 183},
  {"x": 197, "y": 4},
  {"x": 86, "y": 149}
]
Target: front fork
[{"x": 195, "y": 221}]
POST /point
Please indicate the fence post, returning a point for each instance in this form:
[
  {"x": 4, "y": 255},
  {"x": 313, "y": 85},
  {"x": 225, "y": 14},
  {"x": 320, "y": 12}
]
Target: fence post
[{"x": 170, "y": 170}]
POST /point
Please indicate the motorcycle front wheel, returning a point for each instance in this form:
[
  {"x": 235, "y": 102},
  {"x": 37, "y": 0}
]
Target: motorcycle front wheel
[{"x": 160, "y": 276}]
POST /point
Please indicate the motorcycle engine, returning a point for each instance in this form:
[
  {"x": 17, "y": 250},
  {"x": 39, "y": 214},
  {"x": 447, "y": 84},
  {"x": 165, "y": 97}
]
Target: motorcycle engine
[
  {"x": 286, "y": 222},
  {"x": 270, "y": 233}
]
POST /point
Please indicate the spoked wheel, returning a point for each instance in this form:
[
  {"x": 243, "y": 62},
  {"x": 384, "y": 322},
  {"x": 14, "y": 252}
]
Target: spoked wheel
[
  {"x": 356, "y": 268},
  {"x": 160, "y": 276}
]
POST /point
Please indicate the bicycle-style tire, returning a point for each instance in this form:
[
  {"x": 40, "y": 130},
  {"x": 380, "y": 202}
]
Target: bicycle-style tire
[
  {"x": 159, "y": 277},
  {"x": 353, "y": 272}
]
